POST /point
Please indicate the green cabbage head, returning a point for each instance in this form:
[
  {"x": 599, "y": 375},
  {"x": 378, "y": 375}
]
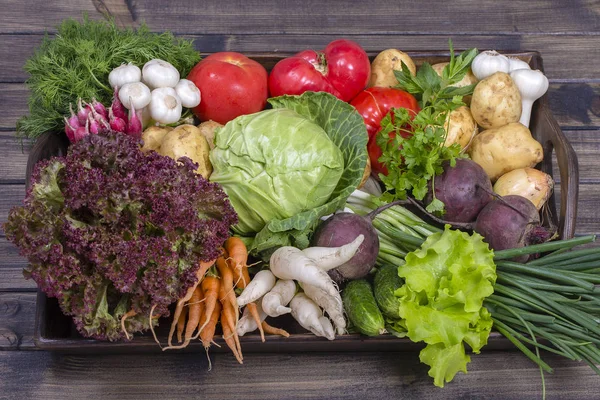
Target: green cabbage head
[
  {"x": 286, "y": 167},
  {"x": 274, "y": 164}
]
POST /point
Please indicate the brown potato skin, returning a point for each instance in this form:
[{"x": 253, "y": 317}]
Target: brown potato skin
[
  {"x": 496, "y": 101},
  {"x": 461, "y": 127},
  {"x": 501, "y": 150},
  {"x": 384, "y": 65},
  {"x": 208, "y": 129},
  {"x": 153, "y": 136},
  {"x": 187, "y": 141}
]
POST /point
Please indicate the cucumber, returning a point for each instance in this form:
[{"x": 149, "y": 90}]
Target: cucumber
[
  {"x": 361, "y": 308},
  {"x": 385, "y": 283}
]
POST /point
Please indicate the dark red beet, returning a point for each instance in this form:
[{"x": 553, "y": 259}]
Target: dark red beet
[
  {"x": 343, "y": 228},
  {"x": 464, "y": 189},
  {"x": 503, "y": 227}
]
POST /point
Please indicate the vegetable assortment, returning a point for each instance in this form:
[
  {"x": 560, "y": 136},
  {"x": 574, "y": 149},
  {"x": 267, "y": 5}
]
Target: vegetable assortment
[{"x": 223, "y": 227}]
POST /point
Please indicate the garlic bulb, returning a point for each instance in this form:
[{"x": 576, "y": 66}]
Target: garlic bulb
[
  {"x": 532, "y": 85},
  {"x": 123, "y": 74},
  {"x": 158, "y": 73},
  {"x": 165, "y": 107},
  {"x": 516, "y": 63},
  {"x": 136, "y": 93},
  {"x": 188, "y": 93},
  {"x": 489, "y": 62}
]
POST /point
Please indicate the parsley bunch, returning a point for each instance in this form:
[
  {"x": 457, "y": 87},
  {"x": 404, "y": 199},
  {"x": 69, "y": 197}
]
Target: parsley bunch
[{"x": 413, "y": 148}]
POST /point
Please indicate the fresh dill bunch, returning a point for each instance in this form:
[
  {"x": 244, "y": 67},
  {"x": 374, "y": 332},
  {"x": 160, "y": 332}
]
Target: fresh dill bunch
[{"x": 77, "y": 60}]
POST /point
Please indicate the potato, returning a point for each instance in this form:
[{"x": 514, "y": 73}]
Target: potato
[
  {"x": 153, "y": 137},
  {"x": 468, "y": 79},
  {"x": 207, "y": 129},
  {"x": 496, "y": 101},
  {"x": 530, "y": 183},
  {"x": 186, "y": 140},
  {"x": 461, "y": 127},
  {"x": 504, "y": 149},
  {"x": 383, "y": 66}
]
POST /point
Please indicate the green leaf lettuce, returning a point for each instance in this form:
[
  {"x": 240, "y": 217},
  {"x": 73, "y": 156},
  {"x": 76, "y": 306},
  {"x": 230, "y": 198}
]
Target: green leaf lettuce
[{"x": 446, "y": 281}]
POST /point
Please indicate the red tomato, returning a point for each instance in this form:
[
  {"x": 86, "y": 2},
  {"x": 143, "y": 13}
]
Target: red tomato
[
  {"x": 375, "y": 103},
  {"x": 231, "y": 85},
  {"x": 342, "y": 69}
]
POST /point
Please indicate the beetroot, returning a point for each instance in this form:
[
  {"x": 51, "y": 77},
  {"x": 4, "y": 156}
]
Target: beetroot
[
  {"x": 343, "y": 228},
  {"x": 464, "y": 189},
  {"x": 511, "y": 222}
]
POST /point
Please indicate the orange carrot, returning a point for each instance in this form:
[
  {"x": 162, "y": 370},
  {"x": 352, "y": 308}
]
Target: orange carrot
[
  {"x": 196, "y": 307},
  {"x": 227, "y": 286},
  {"x": 204, "y": 266},
  {"x": 237, "y": 259},
  {"x": 271, "y": 330},
  {"x": 181, "y": 324},
  {"x": 210, "y": 286},
  {"x": 228, "y": 335},
  {"x": 207, "y": 334},
  {"x": 228, "y": 312},
  {"x": 237, "y": 254}
]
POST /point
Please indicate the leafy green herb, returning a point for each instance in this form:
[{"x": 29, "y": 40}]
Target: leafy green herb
[
  {"x": 76, "y": 63},
  {"x": 429, "y": 87},
  {"x": 413, "y": 146}
]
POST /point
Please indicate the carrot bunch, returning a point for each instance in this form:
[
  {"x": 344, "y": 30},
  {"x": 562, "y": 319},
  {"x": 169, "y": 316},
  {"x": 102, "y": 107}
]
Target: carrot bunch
[{"x": 212, "y": 300}]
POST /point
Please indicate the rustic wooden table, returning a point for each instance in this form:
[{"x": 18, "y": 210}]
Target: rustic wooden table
[{"x": 565, "y": 32}]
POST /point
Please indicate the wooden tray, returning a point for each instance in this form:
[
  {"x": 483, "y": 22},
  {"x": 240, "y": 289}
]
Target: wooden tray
[{"x": 56, "y": 332}]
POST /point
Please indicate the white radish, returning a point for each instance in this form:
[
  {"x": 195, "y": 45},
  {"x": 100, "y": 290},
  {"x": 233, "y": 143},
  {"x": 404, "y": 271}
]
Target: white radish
[
  {"x": 262, "y": 283},
  {"x": 327, "y": 327},
  {"x": 274, "y": 303},
  {"x": 332, "y": 305},
  {"x": 307, "y": 313},
  {"x": 327, "y": 258},
  {"x": 247, "y": 323},
  {"x": 291, "y": 263}
]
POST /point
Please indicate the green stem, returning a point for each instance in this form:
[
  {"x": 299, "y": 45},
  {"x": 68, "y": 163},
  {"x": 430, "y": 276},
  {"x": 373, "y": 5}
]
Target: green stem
[{"x": 543, "y": 247}]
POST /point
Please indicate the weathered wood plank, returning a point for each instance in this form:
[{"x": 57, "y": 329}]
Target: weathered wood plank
[
  {"x": 573, "y": 105},
  {"x": 556, "y": 50},
  {"x": 17, "y": 313},
  {"x": 13, "y": 158},
  {"x": 12, "y": 280},
  {"x": 9, "y": 255},
  {"x": 314, "y": 376},
  {"x": 331, "y": 17}
]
